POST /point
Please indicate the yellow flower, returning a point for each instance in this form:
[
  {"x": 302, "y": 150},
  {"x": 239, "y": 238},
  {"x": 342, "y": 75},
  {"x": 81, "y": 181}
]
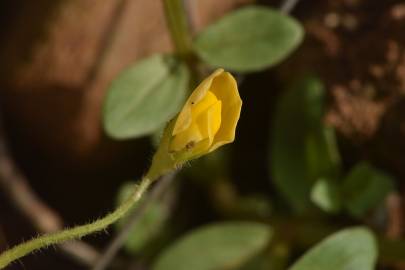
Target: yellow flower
[
  {"x": 207, "y": 121},
  {"x": 209, "y": 117}
]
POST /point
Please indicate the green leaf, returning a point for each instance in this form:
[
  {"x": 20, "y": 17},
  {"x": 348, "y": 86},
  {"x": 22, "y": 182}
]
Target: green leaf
[
  {"x": 145, "y": 96},
  {"x": 303, "y": 149},
  {"x": 249, "y": 39},
  {"x": 220, "y": 246},
  {"x": 259, "y": 262},
  {"x": 350, "y": 249},
  {"x": 365, "y": 188},
  {"x": 148, "y": 226},
  {"x": 326, "y": 195}
]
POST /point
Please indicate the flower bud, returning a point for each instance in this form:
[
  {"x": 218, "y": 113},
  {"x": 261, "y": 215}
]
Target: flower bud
[
  {"x": 207, "y": 121},
  {"x": 209, "y": 117}
]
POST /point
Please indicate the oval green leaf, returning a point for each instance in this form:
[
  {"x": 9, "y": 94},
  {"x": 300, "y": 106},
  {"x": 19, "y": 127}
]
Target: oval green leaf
[
  {"x": 220, "y": 246},
  {"x": 145, "y": 96},
  {"x": 249, "y": 39},
  {"x": 364, "y": 188},
  {"x": 350, "y": 249}
]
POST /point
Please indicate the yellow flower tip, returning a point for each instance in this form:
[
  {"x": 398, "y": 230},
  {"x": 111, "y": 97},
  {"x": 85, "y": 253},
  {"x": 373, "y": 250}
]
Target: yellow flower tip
[{"x": 208, "y": 118}]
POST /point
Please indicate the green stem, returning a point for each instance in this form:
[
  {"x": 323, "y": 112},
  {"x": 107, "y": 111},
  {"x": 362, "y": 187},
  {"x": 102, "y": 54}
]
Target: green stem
[
  {"x": 178, "y": 27},
  {"x": 76, "y": 232},
  {"x": 177, "y": 22}
]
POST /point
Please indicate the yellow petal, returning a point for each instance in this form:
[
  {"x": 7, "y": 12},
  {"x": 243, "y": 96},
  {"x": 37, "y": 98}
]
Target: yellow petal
[
  {"x": 184, "y": 118},
  {"x": 209, "y": 122},
  {"x": 190, "y": 136},
  {"x": 206, "y": 119},
  {"x": 204, "y": 104},
  {"x": 225, "y": 89}
]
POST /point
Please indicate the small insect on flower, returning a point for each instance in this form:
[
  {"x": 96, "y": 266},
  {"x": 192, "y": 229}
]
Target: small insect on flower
[{"x": 208, "y": 119}]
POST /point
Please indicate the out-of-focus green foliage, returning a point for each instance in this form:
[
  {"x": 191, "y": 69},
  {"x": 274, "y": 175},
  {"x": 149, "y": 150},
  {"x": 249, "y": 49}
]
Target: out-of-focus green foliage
[
  {"x": 350, "y": 249},
  {"x": 249, "y": 39},
  {"x": 220, "y": 246},
  {"x": 364, "y": 188},
  {"x": 145, "y": 96},
  {"x": 255, "y": 205},
  {"x": 147, "y": 227},
  {"x": 303, "y": 149},
  {"x": 260, "y": 262},
  {"x": 306, "y": 163},
  {"x": 326, "y": 195}
]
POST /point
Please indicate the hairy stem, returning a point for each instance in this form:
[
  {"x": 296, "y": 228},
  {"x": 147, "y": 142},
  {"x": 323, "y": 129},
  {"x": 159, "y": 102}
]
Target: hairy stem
[
  {"x": 76, "y": 232},
  {"x": 132, "y": 221}
]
